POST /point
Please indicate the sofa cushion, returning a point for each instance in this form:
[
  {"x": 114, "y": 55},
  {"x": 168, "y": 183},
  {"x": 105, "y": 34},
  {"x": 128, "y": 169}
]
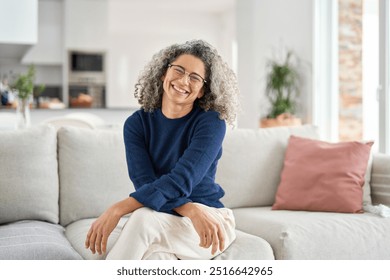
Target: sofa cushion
[
  {"x": 35, "y": 240},
  {"x": 380, "y": 179},
  {"x": 246, "y": 246},
  {"x": 93, "y": 172},
  {"x": 76, "y": 233},
  {"x": 28, "y": 175},
  {"x": 252, "y": 160},
  {"x": 322, "y": 176},
  {"x": 305, "y": 235}
]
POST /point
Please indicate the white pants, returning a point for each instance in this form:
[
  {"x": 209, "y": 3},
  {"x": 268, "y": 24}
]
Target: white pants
[{"x": 148, "y": 234}]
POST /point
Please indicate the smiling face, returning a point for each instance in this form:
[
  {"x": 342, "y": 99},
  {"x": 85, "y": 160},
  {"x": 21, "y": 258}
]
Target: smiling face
[{"x": 179, "y": 90}]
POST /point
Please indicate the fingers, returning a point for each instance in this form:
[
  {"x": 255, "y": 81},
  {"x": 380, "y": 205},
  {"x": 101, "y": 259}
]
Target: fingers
[
  {"x": 221, "y": 238},
  {"x": 218, "y": 240},
  {"x": 95, "y": 241},
  {"x": 98, "y": 244},
  {"x": 92, "y": 241},
  {"x": 215, "y": 238},
  {"x": 88, "y": 237},
  {"x": 215, "y": 244}
]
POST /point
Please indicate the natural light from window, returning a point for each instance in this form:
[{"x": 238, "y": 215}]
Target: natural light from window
[{"x": 370, "y": 63}]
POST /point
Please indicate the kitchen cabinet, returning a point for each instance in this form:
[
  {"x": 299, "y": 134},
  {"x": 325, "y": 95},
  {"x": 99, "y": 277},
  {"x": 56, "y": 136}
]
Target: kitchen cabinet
[
  {"x": 18, "y": 21},
  {"x": 49, "y": 48}
]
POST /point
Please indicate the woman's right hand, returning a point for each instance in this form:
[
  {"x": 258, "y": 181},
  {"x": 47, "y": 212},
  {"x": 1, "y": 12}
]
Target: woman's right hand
[{"x": 101, "y": 229}]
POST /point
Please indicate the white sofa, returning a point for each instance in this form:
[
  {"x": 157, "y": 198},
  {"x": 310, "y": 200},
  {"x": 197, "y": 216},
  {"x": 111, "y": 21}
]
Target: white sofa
[{"x": 53, "y": 185}]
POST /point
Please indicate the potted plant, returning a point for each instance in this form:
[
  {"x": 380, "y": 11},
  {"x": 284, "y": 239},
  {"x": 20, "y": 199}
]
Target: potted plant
[
  {"x": 23, "y": 86},
  {"x": 283, "y": 83}
]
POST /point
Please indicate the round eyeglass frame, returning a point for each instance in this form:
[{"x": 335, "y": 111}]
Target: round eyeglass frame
[{"x": 203, "y": 80}]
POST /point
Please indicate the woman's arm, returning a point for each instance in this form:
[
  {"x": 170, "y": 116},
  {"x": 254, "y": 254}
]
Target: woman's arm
[
  {"x": 139, "y": 164},
  {"x": 101, "y": 229}
]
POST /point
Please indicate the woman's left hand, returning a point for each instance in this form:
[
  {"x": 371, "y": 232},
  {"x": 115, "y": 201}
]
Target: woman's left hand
[{"x": 208, "y": 228}]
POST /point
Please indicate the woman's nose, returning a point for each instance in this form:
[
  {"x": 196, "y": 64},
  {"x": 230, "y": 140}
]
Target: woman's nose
[{"x": 185, "y": 78}]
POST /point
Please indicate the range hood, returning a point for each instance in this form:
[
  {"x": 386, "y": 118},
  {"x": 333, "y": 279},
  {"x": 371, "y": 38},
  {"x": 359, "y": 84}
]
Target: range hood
[
  {"x": 19, "y": 27},
  {"x": 13, "y": 51}
]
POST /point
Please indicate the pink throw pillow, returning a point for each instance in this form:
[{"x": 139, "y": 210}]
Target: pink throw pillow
[{"x": 322, "y": 176}]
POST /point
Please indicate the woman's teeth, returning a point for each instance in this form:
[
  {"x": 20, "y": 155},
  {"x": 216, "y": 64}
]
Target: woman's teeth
[{"x": 179, "y": 90}]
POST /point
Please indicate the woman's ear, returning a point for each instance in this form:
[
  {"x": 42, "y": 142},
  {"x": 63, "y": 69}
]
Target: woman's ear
[{"x": 201, "y": 93}]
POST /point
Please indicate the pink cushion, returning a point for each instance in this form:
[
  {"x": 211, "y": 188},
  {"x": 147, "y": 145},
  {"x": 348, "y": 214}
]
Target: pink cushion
[{"x": 321, "y": 176}]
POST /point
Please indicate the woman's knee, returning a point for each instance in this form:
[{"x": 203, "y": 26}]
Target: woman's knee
[{"x": 143, "y": 218}]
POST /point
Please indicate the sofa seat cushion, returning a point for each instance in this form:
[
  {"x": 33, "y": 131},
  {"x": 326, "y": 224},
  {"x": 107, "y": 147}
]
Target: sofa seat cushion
[
  {"x": 76, "y": 233},
  {"x": 245, "y": 247},
  {"x": 35, "y": 240},
  {"x": 318, "y": 235}
]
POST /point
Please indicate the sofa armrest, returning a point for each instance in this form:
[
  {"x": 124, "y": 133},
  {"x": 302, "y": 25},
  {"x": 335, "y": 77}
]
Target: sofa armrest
[{"x": 380, "y": 179}]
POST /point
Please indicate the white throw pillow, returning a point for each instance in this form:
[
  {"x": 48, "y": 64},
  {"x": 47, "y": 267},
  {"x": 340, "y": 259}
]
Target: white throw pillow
[
  {"x": 93, "y": 172},
  {"x": 28, "y": 175},
  {"x": 252, "y": 161}
]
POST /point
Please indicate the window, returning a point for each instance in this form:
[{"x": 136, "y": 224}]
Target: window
[{"x": 351, "y": 61}]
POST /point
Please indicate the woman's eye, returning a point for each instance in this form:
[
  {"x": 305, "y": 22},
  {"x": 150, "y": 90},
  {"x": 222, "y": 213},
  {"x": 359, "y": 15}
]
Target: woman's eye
[
  {"x": 179, "y": 71},
  {"x": 195, "y": 78}
]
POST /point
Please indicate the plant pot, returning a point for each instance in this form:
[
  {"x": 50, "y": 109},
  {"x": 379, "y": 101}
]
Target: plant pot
[{"x": 281, "y": 120}]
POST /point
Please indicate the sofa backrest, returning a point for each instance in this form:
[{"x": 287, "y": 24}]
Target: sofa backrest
[
  {"x": 92, "y": 172},
  {"x": 252, "y": 160},
  {"x": 380, "y": 179}
]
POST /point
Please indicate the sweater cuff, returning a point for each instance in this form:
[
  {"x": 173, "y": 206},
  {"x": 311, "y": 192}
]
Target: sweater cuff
[{"x": 149, "y": 197}]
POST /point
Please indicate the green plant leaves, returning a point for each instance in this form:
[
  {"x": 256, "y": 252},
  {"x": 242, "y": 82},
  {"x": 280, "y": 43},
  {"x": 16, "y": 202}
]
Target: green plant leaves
[
  {"x": 24, "y": 84},
  {"x": 282, "y": 86}
]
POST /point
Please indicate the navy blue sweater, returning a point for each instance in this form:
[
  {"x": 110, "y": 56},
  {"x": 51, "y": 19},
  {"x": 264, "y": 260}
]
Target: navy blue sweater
[{"x": 174, "y": 161}]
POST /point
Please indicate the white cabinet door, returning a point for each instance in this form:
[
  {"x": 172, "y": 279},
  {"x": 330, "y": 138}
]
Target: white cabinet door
[
  {"x": 49, "y": 48},
  {"x": 18, "y": 21}
]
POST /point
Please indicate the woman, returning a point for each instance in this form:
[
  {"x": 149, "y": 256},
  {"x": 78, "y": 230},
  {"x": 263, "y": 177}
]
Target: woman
[{"x": 173, "y": 144}]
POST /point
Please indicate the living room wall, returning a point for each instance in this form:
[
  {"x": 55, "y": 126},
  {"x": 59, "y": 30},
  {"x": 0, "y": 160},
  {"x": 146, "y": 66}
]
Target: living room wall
[{"x": 263, "y": 28}]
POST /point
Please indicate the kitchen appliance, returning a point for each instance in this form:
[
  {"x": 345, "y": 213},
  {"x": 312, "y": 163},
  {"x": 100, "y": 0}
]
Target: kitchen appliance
[{"x": 87, "y": 79}]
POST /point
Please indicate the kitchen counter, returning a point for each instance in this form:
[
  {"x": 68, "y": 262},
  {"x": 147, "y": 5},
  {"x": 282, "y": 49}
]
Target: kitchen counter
[{"x": 113, "y": 116}]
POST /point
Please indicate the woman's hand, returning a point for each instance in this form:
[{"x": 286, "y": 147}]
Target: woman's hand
[
  {"x": 208, "y": 228},
  {"x": 101, "y": 229}
]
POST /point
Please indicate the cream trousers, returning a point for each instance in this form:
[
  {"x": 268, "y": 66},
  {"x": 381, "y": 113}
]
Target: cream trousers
[{"x": 153, "y": 235}]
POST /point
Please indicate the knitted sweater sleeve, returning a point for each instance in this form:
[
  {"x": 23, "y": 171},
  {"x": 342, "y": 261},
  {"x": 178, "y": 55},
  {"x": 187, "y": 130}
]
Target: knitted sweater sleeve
[
  {"x": 139, "y": 165},
  {"x": 175, "y": 187}
]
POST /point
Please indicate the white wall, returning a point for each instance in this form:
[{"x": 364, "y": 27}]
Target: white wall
[
  {"x": 263, "y": 26},
  {"x": 85, "y": 24}
]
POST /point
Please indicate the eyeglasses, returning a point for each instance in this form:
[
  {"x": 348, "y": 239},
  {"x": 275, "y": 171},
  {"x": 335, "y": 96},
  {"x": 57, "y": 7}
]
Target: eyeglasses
[{"x": 195, "y": 79}]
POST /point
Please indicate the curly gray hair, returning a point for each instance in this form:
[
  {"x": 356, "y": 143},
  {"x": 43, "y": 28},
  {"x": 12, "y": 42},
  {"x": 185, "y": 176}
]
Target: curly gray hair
[{"x": 220, "y": 92}]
